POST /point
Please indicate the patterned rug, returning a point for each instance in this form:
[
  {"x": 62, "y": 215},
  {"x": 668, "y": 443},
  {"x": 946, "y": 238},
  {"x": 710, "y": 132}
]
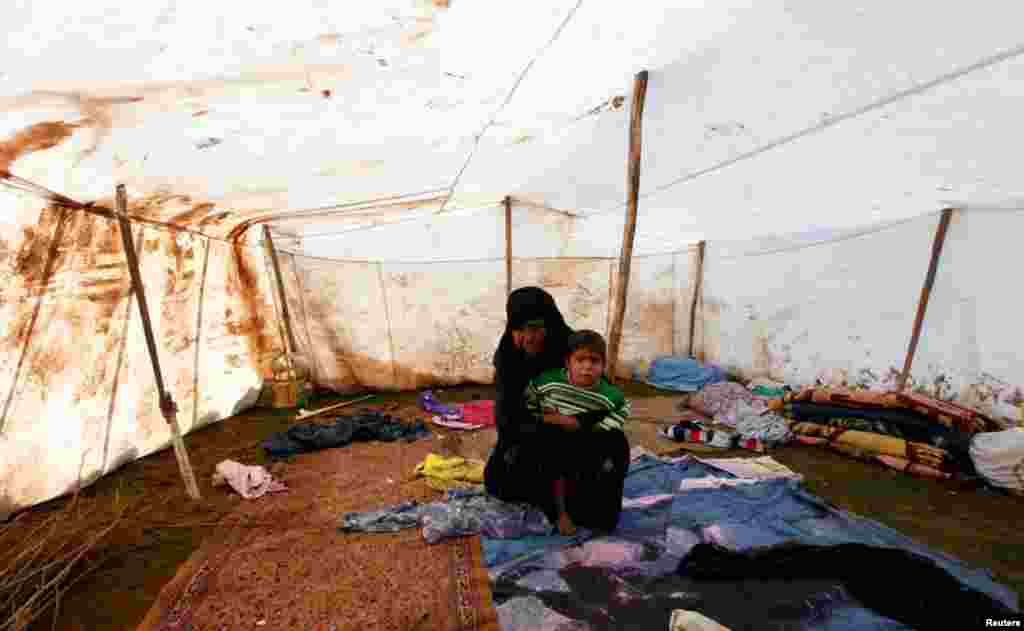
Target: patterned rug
[{"x": 279, "y": 562}]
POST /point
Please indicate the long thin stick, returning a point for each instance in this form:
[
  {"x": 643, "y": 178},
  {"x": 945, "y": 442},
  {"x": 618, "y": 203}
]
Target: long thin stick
[
  {"x": 508, "y": 246},
  {"x": 268, "y": 242},
  {"x": 696, "y": 295},
  {"x": 167, "y": 405},
  {"x": 306, "y": 415},
  {"x": 629, "y": 231},
  {"x": 926, "y": 292}
]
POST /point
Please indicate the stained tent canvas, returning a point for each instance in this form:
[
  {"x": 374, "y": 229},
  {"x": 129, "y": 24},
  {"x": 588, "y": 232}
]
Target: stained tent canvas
[{"x": 811, "y": 147}]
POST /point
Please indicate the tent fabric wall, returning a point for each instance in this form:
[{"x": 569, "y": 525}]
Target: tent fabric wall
[
  {"x": 445, "y": 319},
  {"x": 399, "y": 129},
  {"x": 84, "y": 401},
  {"x": 345, "y": 307},
  {"x": 801, "y": 311},
  {"x": 970, "y": 344}
]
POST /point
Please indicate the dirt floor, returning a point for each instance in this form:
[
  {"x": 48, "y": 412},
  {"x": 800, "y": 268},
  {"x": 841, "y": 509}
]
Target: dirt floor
[{"x": 164, "y": 528}]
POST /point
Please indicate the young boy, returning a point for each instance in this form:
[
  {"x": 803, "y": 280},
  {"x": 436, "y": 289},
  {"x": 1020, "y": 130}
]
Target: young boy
[{"x": 593, "y": 446}]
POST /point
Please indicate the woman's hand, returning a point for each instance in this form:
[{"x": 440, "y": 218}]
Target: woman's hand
[{"x": 552, "y": 417}]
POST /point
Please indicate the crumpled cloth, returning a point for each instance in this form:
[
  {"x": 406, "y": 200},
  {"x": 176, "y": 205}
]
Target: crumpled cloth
[
  {"x": 429, "y": 404},
  {"x": 732, "y": 405},
  {"x": 754, "y": 421},
  {"x": 446, "y": 473},
  {"x": 719, "y": 399},
  {"x": 391, "y": 519},
  {"x": 313, "y": 436},
  {"x": 249, "y": 481},
  {"x": 463, "y": 512},
  {"x": 682, "y": 374}
]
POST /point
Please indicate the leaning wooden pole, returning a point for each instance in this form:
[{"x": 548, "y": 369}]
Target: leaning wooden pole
[
  {"x": 508, "y": 246},
  {"x": 282, "y": 298},
  {"x": 926, "y": 292},
  {"x": 633, "y": 188},
  {"x": 697, "y": 288},
  {"x": 167, "y": 406}
]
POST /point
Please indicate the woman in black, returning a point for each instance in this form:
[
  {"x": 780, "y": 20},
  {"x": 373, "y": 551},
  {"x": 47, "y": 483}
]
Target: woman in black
[{"x": 536, "y": 339}]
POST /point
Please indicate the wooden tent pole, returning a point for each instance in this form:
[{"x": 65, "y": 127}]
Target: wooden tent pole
[
  {"x": 268, "y": 243},
  {"x": 633, "y": 188},
  {"x": 508, "y": 246},
  {"x": 698, "y": 284},
  {"x": 167, "y": 406},
  {"x": 926, "y": 292}
]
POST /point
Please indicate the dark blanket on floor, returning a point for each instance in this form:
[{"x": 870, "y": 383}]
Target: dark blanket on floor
[
  {"x": 312, "y": 436},
  {"x": 631, "y": 579},
  {"x": 893, "y": 582}
]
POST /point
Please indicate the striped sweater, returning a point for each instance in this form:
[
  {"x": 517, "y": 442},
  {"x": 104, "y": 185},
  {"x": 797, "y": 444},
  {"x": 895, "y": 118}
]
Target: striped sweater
[{"x": 552, "y": 389}]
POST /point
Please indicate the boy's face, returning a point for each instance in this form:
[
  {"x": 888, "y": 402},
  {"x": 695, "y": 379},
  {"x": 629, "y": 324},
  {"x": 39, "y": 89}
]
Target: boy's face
[{"x": 585, "y": 368}]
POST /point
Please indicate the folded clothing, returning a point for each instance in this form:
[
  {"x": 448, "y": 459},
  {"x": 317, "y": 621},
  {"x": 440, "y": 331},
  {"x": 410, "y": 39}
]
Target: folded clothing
[{"x": 879, "y": 444}]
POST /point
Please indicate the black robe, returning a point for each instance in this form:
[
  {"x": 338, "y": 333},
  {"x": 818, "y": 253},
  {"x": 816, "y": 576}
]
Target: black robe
[{"x": 516, "y": 470}]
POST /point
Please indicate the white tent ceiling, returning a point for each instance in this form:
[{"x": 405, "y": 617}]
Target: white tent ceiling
[{"x": 761, "y": 117}]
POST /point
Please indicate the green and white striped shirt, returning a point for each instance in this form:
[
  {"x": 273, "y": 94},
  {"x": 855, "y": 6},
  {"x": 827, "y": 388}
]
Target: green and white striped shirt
[{"x": 551, "y": 389}]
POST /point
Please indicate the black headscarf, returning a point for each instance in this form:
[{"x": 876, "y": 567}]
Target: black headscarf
[{"x": 514, "y": 368}]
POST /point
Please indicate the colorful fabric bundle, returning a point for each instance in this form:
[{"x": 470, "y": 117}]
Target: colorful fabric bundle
[
  {"x": 876, "y": 444},
  {"x": 691, "y": 432},
  {"x": 893, "y": 462}
]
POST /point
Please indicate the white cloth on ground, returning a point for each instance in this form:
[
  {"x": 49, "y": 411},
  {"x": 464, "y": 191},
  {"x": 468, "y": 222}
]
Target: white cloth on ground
[
  {"x": 999, "y": 458},
  {"x": 761, "y": 468},
  {"x": 249, "y": 481},
  {"x": 686, "y": 620}
]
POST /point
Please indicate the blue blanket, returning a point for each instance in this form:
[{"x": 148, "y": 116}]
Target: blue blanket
[
  {"x": 682, "y": 374},
  {"x": 629, "y": 579}
]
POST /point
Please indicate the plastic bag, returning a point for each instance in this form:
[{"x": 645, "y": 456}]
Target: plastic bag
[{"x": 999, "y": 458}]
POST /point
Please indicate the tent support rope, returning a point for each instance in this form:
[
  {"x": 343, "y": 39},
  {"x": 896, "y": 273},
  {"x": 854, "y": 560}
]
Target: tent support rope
[
  {"x": 199, "y": 335},
  {"x": 314, "y": 363},
  {"x": 120, "y": 359},
  {"x": 387, "y": 320},
  {"x": 51, "y": 259}
]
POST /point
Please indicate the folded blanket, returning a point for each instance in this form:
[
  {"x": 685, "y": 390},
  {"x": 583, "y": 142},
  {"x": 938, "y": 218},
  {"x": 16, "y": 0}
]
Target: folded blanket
[{"x": 682, "y": 374}]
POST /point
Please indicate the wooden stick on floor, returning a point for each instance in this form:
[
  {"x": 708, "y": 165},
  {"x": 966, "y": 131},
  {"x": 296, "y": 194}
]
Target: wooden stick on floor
[
  {"x": 167, "y": 406},
  {"x": 926, "y": 292},
  {"x": 305, "y": 415},
  {"x": 633, "y": 184}
]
